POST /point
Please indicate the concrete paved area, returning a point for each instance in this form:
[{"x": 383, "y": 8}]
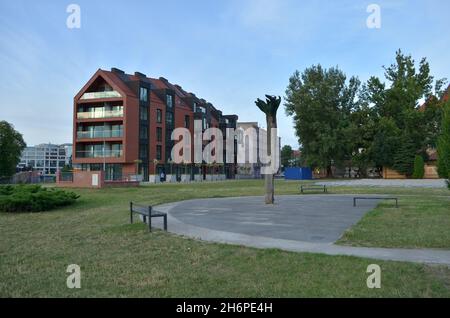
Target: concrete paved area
[
  {"x": 300, "y": 218},
  {"x": 316, "y": 216},
  {"x": 406, "y": 183}
]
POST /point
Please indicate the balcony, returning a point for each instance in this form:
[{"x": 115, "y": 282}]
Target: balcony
[
  {"x": 98, "y": 95},
  {"x": 100, "y": 114},
  {"x": 200, "y": 110},
  {"x": 99, "y": 153},
  {"x": 108, "y": 133}
]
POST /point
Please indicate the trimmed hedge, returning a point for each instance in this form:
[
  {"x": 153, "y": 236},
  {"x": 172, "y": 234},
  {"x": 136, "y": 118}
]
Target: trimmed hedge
[{"x": 33, "y": 198}]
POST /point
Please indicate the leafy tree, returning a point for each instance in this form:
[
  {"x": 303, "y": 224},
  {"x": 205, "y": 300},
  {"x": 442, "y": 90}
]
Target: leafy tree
[
  {"x": 419, "y": 167},
  {"x": 443, "y": 149},
  {"x": 401, "y": 130},
  {"x": 321, "y": 102},
  {"x": 385, "y": 143},
  {"x": 286, "y": 155},
  {"x": 404, "y": 156},
  {"x": 66, "y": 168},
  {"x": 11, "y": 147}
]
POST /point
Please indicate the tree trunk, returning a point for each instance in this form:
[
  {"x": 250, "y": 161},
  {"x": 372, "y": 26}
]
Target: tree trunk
[{"x": 329, "y": 172}]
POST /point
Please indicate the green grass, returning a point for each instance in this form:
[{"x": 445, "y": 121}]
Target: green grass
[
  {"x": 122, "y": 260},
  {"x": 419, "y": 222}
]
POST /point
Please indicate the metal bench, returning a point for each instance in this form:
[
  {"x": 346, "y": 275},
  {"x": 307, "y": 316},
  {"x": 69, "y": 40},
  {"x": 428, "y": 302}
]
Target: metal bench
[
  {"x": 314, "y": 187},
  {"x": 147, "y": 212},
  {"x": 375, "y": 198}
]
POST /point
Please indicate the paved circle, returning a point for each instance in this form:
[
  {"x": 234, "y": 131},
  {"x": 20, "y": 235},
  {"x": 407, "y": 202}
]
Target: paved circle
[{"x": 307, "y": 218}]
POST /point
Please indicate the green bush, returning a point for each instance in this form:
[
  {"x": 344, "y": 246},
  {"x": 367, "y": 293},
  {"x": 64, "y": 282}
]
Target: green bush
[
  {"x": 448, "y": 181},
  {"x": 419, "y": 167},
  {"x": 33, "y": 198}
]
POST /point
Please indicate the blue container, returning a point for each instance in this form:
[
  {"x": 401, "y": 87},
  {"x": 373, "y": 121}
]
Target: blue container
[{"x": 297, "y": 173}]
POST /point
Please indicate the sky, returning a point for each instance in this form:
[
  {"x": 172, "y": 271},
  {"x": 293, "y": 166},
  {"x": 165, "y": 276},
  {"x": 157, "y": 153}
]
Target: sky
[{"x": 229, "y": 52}]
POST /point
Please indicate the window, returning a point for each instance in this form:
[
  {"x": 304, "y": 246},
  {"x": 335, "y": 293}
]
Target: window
[
  {"x": 158, "y": 134},
  {"x": 143, "y": 150},
  {"x": 143, "y": 113},
  {"x": 159, "y": 116},
  {"x": 169, "y": 118},
  {"x": 143, "y": 132},
  {"x": 158, "y": 152},
  {"x": 143, "y": 94},
  {"x": 169, "y": 100},
  {"x": 186, "y": 122}
]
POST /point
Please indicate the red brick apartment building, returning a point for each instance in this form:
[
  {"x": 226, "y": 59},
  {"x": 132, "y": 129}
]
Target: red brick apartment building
[{"x": 122, "y": 125}]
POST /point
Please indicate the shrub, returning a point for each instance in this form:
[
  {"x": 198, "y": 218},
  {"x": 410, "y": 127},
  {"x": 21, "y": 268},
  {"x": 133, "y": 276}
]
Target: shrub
[
  {"x": 33, "y": 198},
  {"x": 419, "y": 167},
  {"x": 448, "y": 181}
]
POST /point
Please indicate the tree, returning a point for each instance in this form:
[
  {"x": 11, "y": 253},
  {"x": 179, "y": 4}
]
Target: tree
[
  {"x": 321, "y": 102},
  {"x": 404, "y": 156},
  {"x": 269, "y": 108},
  {"x": 401, "y": 129},
  {"x": 286, "y": 155},
  {"x": 443, "y": 148},
  {"x": 11, "y": 147},
  {"x": 419, "y": 167},
  {"x": 66, "y": 168}
]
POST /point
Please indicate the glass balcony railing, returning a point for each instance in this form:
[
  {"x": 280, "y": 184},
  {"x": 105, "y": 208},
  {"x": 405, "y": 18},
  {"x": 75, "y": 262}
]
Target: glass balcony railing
[
  {"x": 99, "y": 153},
  {"x": 100, "y": 134},
  {"x": 100, "y": 114},
  {"x": 105, "y": 94}
]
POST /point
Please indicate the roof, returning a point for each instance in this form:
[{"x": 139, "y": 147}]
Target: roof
[
  {"x": 444, "y": 98},
  {"x": 121, "y": 81}
]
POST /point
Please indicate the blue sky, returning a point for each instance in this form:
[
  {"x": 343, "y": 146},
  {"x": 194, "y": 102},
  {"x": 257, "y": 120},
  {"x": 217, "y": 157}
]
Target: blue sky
[{"x": 228, "y": 51}]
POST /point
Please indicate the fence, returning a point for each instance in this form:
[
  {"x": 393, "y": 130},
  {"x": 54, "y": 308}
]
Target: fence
[{"x": 27, "y": 177}]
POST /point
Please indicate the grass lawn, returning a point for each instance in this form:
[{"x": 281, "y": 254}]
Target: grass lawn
[
  {"x": 419, "y": 222},
  {"x": 119, "y": 259}
]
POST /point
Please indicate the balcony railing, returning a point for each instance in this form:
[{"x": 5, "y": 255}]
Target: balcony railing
[
  {"x": 100, "y": 134},
  {"x": 105, "y": 94},
  {"x": 100, "y": 114},
  {"x": 99, "y": 153}
]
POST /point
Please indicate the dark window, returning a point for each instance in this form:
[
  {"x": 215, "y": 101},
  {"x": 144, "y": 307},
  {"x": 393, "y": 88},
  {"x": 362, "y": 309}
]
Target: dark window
[
  {"x": 143, "y": 132},
  {"x": 159, "y": 116},
  {"x": 169, "y": 100},
  {"x": 158, "y": 152},
  {"x": 143, "y": 113},
  {"x": 158, "y": 133},
  {"x": 169, "y": 118},
  {"x": 186, "y": 122},
  {"x": 143, "y": 94},
  {"x": 143, "y": 150}
]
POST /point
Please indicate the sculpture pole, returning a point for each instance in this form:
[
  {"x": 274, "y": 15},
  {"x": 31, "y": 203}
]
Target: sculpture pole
[{"x": 269, "y": 107}]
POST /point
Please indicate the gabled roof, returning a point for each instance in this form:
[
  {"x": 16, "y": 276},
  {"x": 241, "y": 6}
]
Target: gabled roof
[{"x": 109, "y": 78}]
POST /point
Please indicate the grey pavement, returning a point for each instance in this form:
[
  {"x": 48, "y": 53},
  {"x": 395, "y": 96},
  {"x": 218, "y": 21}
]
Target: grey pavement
[{"x": 310, "y": 223}]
